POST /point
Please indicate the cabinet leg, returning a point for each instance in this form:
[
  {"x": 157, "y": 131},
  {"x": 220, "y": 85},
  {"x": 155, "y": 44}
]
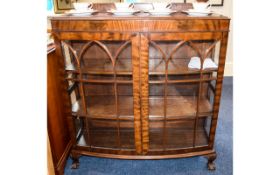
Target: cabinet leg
[
  {"x": 75, "y": 160},
  {"x": 211, "y": 157}
]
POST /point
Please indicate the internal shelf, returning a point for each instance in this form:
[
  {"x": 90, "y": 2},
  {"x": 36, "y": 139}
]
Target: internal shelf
[
  {"x": 108, "y": 138},
  {"x": 103, "y": 67},
  {"x": 155, "y": 72},
  {"x": 178, "y": 107},
  {"x": 178, "y": 66},
  {"x": 123, "y": 67},
  {"x": 103, "y": 107},
  {"x": 180, "y": 136},
  {"x": 176, "y": 139}
]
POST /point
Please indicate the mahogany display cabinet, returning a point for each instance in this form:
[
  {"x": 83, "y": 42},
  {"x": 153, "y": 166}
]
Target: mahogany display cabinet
[{"x": 129, "y": 92}]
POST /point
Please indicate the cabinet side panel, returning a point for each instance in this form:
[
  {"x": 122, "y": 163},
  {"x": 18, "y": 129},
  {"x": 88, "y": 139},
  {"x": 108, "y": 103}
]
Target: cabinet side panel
[
  {"x": 218, "y": 90},
  {"x": 59, "y": 136}
]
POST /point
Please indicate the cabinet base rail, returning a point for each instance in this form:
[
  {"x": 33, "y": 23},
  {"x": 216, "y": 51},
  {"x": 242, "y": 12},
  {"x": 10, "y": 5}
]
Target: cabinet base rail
[{"x": 209, "y": 154}]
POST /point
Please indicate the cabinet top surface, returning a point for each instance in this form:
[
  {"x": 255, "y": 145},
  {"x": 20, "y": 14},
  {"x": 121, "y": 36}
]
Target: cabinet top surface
[
  {"x": 106, "y": 16},
  {"x": 104, "y": 22}
]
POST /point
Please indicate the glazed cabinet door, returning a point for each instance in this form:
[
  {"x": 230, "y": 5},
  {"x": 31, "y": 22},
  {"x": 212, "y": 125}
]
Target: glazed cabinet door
[
  {"x": 179, "y": 96},
  {"x": 102, "y": 72}
]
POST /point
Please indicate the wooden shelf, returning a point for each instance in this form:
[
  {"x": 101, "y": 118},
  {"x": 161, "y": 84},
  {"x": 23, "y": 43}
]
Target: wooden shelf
[
  {"x": 107, "y": 138},
  {"x": 178, "y": 107},
  {"x": 177, "y": 67},
  {"x": 170, "y": 72},
  {"x": 103, "y": 107},
  {"x": 103, "y": 67},
  {"x": 176, "y": 139},
  {"x": 195, "y": 80}
]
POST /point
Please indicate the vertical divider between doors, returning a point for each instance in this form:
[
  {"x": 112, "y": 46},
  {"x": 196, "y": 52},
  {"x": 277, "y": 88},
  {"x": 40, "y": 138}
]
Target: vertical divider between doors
[
  {"x": 144, "y": 91},
  {"x": 135, "y": 45}
]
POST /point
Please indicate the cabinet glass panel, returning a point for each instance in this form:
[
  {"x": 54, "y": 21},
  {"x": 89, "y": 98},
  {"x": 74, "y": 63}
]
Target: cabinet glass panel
[
  {"x": 105, "y": 133},
  {"x": 179, "y": 93},
  {"x": 79, "y": 124},
  {"x": 202, "y": 131},
  {"x": 204, "y": 126},
  {"x": 103, "y": 73},
  {"x": 171, "y": 134}
]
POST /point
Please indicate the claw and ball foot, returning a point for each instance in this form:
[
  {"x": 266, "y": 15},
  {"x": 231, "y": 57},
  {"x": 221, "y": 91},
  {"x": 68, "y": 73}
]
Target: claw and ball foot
[
  {"x": 211, "y": 164},
  {"x": 75, "y": 160},
  {"x": 75, "y": 164}
]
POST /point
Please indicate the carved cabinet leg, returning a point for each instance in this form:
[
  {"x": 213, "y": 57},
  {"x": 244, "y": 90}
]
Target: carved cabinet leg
[
  {"x": 75, "y": 160},
  {"x": 211, "y": 158}
]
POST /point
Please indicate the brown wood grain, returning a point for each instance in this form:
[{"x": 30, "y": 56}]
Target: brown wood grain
[
  {"x": 144, "y": 92},
  {"x": 136, "y": 93},
  {"x": 141, "y": 25},
  {"x": 51, "y": 170},
  {"x": 141, "y": 99},
  {"x": 218, "y": 88},
  {"x": 58, "y": 130},
  {"x": 153, "y": 154}
]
